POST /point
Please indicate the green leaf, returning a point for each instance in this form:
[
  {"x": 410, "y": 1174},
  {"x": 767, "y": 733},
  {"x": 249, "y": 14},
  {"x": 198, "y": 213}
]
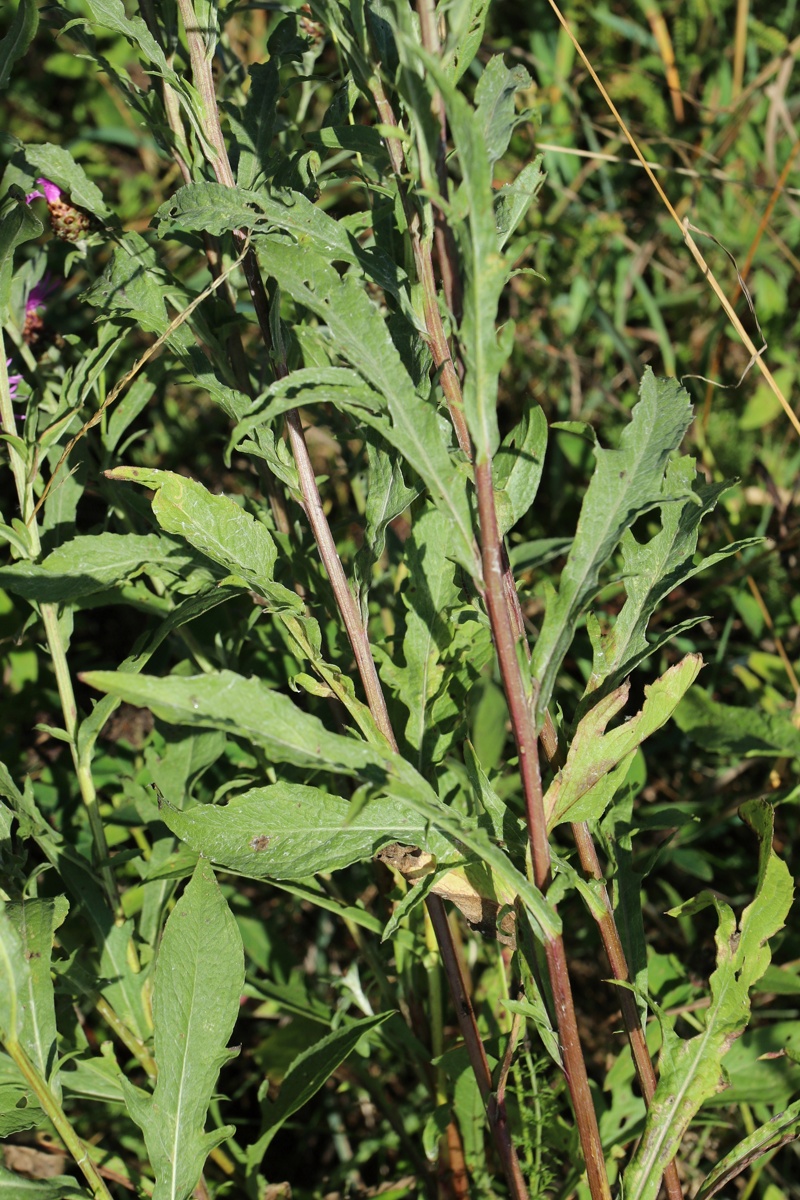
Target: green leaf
[
  {"x": 246, "y": 708},
  {"x": 485, "y": 269},
  {"x": 57, "y": 164},
  {"x": 580, "y": 790},
  {"x": 111, "y": 14},
  {"x": 16, "y": 1187},
  {"x": 517, "y": 468},
  {"x": 365, "y": 140},
  {"x": 769, "y": 1137},
  {"x": 360, "y": 334},
  {"x": 216, "y": 526},
  {"x": 14, "y": 980},
  {"x": 307, "y": 1074},
  {"x": 495, "y": 104},
  {"x": 124, "y": 987},
  {"x": 197, "y": 989},
  {"x": 19, "y": 1105},
  {"x": 654, "y": 569},
  {"x": 17, "y": 225},
  {"x": 19, "y": 37},
  {"x": 90, "y": 564},
  {"x": 626, "y": 483},
  {"x": 255, "y": 132},
  {"x": 692, "y": 1071},
  {"x": 744, "y": 732},
  {"x": 35, "y": 922},
  {"x": 514, "y": 199},
  {"x": 429, "y": 597},
  {"x": 288, "y": 831},
  {"x": 217, "y": 209},
  {"x": 387, "y": 497},
  {"x": 466, "y": 20}
]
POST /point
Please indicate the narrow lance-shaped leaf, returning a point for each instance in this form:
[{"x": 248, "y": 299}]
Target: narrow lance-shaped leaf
[
  {"x": 198, "y": 984},
  {"x": 388, "y": 496},
  {"x": 307, "y": 1074},
  {"x": 485, "y": 268},
  {"x": 430, "y": 593},
  {"x": 579, "y": 791},
  {"x": 218, "y": 527},
  {"x": 626, "y": 483},
  {"x": 780, "y": 1129},
  {"x": 35, "y": 922},
  {"x": 20, "y": 35},
  {"x": 247, "y": 708},
  {"x": 361, "y": 335},
  {"x": 14, "y": 980},
  {"x": 693, "y": 1070},
  {"x": 517, "y": 468}
]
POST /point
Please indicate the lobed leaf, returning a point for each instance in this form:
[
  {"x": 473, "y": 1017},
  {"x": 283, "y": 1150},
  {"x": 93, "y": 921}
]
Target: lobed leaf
[
  {"x": 626, "y": 483},
  {"x": 654, "y": 569},
  {"x": 692, "y": 1071},
  {"x": 580, "y": 790}
]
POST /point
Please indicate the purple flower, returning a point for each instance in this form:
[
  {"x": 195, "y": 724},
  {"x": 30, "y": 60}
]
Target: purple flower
[
  {"x": 50, "y": 192},
  {"x": 40, "y": 292},
  {"x": 13, "y": 381}
]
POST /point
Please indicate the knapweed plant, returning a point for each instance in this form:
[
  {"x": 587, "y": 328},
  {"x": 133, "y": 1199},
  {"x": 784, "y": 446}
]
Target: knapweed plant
[{"x": 338, "y": 768}]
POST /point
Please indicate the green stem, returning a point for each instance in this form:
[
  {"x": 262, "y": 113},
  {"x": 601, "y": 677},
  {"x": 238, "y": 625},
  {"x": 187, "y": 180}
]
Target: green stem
[
  {"x": 58, "y": 656},
  {"x": 59, "y": 1119},
  {"x": 131, "y": 1042},
  {"x": 55, "y": 642}
]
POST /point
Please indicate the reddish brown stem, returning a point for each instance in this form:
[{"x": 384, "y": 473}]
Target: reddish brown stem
[
  {"x": 523, "y": 728},
  {"x": 477, "y": 1055}
]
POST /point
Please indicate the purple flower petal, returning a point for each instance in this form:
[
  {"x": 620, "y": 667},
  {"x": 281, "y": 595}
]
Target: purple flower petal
[
  {"x": 13, "y": 381},
  {"x": 52, "y": 191}
]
